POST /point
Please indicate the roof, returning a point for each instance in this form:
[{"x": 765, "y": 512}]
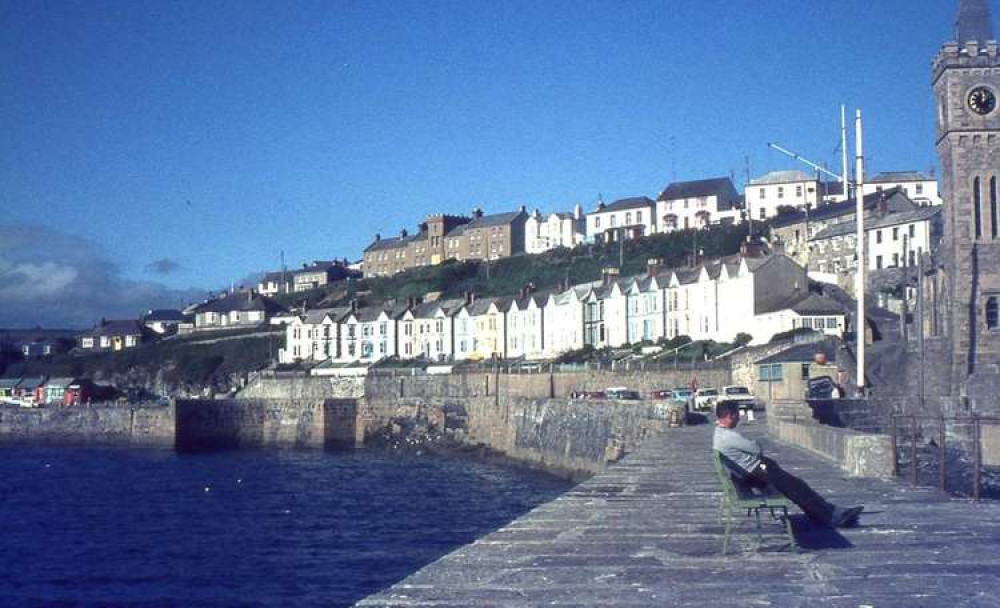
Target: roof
[
  {"x": 241, "y": 301},
  {"x": 782, "y": 177},
  {"x": 807, "y": 304},
  {"x": 704, "y": 187},
  {"x": 895, "y": 177},
  {"x": 635, "y": 202},
  {"x": 163, "y": 314},
  {"x": 921, "y": 214},
  {"x": 803, "y": 353},
  {"x": 275, "y": 277},
  {"x": 125, "y": 327},
  {"x": 392, "y": 242},
  {"x": 60, "y": 382},
  {"x": 9, "y": 382},
  {"x": 497, "y": 219},
  {"x": 30, "y": 384},
  {"x": 895, "y": 198}
]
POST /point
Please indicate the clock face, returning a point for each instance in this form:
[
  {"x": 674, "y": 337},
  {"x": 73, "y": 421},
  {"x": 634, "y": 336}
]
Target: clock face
[{"x": 982, "y": 101}]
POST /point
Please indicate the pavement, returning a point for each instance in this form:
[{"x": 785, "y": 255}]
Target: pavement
[{"x": 646, "y": 533}]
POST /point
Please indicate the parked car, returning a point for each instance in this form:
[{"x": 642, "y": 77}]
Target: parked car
[
  {"x": 740, "y": 395},
  {"x": 683, "y": 394},
  {"x": 622, "y": 392},
  {"x": 705, "y": 398}
]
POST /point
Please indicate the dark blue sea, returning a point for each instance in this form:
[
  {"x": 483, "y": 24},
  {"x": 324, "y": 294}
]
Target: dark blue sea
[{"x": 87, "y": 527}]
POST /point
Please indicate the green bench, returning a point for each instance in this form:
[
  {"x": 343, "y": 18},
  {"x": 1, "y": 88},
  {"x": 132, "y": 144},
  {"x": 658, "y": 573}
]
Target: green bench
[{"x": 738, "y": 495}]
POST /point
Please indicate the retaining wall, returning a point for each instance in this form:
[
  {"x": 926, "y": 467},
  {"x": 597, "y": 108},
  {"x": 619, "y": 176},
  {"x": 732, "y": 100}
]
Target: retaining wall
[
  {"x": 858, "y": 454},
  {"x": 145, "y": 425}
]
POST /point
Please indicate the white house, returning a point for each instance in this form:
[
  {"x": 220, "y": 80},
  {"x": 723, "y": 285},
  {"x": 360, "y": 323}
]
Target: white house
[
  {"x": 313, "y": 336},
  {"x": 563, "y": 331},
  {"x": 234, "y": 310},
  {"x": 525, "y": 327},
  {"x": 892, "y": 240},
  {"x": 368, "y": 335},
  {"x": 697, "y": 204},
  {"x": 920, "y": 188},
  {"x": 624, "y": 219},
  {"x": 781, "y": 189},
  {"x": 542, "y": 233},
  {"x": 646, "y": 314}
]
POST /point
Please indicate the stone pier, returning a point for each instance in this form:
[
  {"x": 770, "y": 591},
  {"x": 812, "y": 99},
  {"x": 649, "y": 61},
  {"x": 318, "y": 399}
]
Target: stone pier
[{"x": 646, "y": 533}]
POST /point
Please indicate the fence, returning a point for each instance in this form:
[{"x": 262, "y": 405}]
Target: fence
[{"x": 948, "y": 450}]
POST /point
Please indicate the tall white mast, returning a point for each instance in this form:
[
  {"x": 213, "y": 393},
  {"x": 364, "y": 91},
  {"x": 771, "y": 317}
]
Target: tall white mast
[
  {"x": 845, "y": 178},
  {"x": 859, "y": 277}
]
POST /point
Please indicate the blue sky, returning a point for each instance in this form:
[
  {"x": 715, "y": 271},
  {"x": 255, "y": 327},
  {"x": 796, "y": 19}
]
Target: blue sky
[{"x": 187, "y": 143}]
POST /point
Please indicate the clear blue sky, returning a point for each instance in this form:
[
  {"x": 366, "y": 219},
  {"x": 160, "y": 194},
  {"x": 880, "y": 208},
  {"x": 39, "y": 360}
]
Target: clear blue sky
[{"x": 185, "y": 144}]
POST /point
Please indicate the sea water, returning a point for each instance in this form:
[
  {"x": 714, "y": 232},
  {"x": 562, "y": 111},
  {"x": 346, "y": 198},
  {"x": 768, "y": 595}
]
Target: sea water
[{"x": 239, "y": 528}]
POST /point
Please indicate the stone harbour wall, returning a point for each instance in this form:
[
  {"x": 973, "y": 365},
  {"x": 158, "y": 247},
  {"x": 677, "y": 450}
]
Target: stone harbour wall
[
  {"x": 241, "y": 423},
  {"x": 858, "y": 454},
  {"x": 138, "y": 425}
]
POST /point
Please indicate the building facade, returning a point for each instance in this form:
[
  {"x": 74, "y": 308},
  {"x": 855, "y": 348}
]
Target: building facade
[
  {"x": 697, "y": 204},
  {"x": 966, "y": 79}
]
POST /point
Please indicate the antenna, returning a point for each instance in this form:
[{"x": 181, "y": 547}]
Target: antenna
[{"x": 746, "y": 197}]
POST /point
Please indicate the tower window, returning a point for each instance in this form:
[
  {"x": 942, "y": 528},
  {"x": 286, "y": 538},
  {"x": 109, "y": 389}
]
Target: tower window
[
  {"x": 992, "y": 317},
  {"x": 977, "y": 207},
  {"x": 994, "y": 210}
]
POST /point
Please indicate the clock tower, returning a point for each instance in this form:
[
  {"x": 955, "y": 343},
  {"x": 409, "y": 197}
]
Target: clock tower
[{"x": 966, "y": 77}]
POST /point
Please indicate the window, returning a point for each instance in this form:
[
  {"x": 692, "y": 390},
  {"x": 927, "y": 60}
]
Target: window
[
  {"x": 638, "y": 217},
  {"x": 895, "y": 233},
  {"x": 994, "y": 210},
  {"x": 913, "y": 231},
  {"x": 763, "y": 193},
  {"x": 878, "y": 236},
  {"x": 597, "y": 222},
  {"x": 798, "y": 191},
  {"x": 977, "y": 207},
  {"x": 763, "y": 214},
  {"x": 805, "y": 371},
  {"x": 781, "y": 192},
  {"x": 878, "y": 262},
  {"x": 920, "y": 188},
  {"x": 831, "y": 323},
  {"x": 992, "y": 320},
  {"x": 895, "y": 260},
  {"x": 88, "y": 343},
  {"x": 628, "y": 218},
  {"x": 612, "y": 221}
]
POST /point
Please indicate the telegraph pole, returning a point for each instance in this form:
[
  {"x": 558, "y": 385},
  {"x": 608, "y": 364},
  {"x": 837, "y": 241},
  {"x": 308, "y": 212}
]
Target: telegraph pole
[{"x": 859, "y": 276}]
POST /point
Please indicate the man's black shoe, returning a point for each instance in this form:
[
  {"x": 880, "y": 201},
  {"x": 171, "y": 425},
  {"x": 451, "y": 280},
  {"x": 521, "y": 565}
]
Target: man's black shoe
[{"x": 846, "y": 518}]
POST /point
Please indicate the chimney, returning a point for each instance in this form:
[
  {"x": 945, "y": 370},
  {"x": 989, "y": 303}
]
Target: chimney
[
  {"x": 354, "y": 305},
  {"x": 470, "y": 298},
  {"x": 883, "y": 204},
  {"x": 610, "y": 274},
  {"x": 378, "y": 237},
  {"x": 652, "y": 267},
  {"x": 524, "y": 209},
  {"x": 537, "y": 214},
  {"x": 403, "y": 233},
  {"x": 578, "y": 211},
  {"x": 477, "y": 213},
  {"x": 412, "y": 301}
]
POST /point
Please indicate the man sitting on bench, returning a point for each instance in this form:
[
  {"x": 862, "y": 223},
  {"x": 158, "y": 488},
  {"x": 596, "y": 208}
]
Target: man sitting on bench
[{"x": 758, "y": 470}]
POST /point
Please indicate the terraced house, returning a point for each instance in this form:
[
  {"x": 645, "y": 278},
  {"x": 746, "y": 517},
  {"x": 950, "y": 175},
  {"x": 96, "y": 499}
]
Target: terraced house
[{"x": 715, "y": 300}]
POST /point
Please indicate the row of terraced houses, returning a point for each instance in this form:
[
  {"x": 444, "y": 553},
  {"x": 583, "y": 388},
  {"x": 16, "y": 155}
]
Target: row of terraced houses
[{"x": 711, "y": 301}]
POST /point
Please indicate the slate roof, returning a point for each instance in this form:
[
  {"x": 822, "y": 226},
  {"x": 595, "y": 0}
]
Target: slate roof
[
  {"x": 895, "y": 198},
  {"x": 392, "y": 242},
  {"x": 807, "y": 304},
  {"x": 635, "y": 202},
  {"x": 704, "y": 187},
  {"x": 803, "y": 353},
  {"x": 895, "y": 177},
  {"x": 891, "y": 219},
  {"x": 496, "y": 219},
  {"x": 276, "y": 277},
  {"x": 60, "y": 382},
  {"x": 241, "y": 301},
  {"x": 30, "y": 384},
  {"x": 9, "y": 382},
  {"x": 782, "y": 177},
  {"x": 127, "y": 327}
]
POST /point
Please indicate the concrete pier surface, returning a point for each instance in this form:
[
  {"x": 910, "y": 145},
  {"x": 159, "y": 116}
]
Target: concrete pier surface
[{"x": 646, "y": 533}]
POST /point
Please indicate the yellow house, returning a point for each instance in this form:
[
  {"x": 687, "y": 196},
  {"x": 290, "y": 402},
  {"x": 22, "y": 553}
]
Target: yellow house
[{"x": 490, "y": 321}]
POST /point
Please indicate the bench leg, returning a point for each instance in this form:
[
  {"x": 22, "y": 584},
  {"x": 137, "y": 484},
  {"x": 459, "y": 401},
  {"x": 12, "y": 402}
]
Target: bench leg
[
  {"x": 728, "y": 516},
  {"x": 788, "y": 528},
  {"x": 760, "y": 530}
]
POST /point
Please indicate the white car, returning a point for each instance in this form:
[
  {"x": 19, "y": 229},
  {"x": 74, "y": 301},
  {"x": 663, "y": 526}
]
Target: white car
[
  {"x": 740, "y": 395},
  {"x": 705, "y": 398}
]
